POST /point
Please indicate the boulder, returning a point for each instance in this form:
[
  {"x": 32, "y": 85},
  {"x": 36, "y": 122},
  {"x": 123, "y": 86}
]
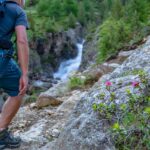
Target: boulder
[
  {"x": 50, "y": 97},
  {"x": 46, "y": 100},
  {"x": 57, "y": 90}
]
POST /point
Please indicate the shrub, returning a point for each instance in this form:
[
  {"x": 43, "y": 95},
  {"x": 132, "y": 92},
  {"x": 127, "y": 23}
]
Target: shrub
[
  {"x": 113, "y": 34},
  {"x": 76, "y": 82},
  {"x": 129, "y": 122},
  {"x": 118, "y": 29}
]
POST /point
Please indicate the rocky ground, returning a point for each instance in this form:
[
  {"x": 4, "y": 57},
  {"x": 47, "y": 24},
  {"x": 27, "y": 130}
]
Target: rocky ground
[
  {"x": 40, "y": 126},
  {"x": 42, "y": 123},
  {"x": 85, "y": 130}
]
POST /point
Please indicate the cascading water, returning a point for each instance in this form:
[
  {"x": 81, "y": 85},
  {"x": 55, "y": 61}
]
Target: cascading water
[{"x": 71, "y": 65}]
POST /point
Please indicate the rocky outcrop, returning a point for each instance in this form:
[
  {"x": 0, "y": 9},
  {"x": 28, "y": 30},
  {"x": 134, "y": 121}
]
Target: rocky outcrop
[
  {"x": 85, "y": 130},
  {"x": 53, "y": 49},
  {"x": 35, "y": 63},
  {"x": 89, "y": 51}
]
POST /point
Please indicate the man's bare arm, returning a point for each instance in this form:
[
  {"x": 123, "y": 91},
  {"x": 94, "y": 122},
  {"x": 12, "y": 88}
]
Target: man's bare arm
[
  {"x": 23, "y": 56},
  {"x": 23, "y": 48}
]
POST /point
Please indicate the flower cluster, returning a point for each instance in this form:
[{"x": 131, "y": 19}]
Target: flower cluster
[
  {"x": 134, "y": 84},
  {"x": 123, "y": 117},
  {"x": 108, "y": 83}
]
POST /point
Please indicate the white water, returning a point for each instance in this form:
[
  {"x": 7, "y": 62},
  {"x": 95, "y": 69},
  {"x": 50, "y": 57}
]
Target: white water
[{"x": 70, "y": 65}]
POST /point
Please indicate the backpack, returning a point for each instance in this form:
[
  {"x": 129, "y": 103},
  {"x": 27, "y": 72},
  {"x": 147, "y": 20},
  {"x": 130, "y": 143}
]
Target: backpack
[
  {"x": 3, "y": 5},
  {"x": 2, "y": 8},
  {"x": 4, "y": 44}
]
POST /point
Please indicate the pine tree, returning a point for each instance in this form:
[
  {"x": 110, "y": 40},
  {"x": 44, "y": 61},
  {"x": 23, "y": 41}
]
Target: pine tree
[
  {"x": 71, "y": 20},
  {"x": 137, "y": 13},
  {"x": 55, "y": 8},
  {"x": 70, "y": 6},
  {"x": 81, "y": 14},
  {"x": 117, "y": 9}
]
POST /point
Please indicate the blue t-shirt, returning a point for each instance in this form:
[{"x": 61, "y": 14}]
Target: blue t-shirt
[{"x": 14, "y": 16}]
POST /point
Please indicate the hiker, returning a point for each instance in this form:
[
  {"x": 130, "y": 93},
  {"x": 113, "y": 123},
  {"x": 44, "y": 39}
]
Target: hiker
[{"x": 13, "y": 77}]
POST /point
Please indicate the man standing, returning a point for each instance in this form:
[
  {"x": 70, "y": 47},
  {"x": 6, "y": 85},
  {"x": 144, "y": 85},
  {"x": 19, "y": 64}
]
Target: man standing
[{"x": 13, "y": 80}]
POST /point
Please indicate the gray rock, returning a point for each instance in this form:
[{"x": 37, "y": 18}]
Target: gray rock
[
  {"x": 40, "y": 84},
  {"x": 125, "y": 53},
  {"x": 35, "y": 63},
  {"x": 113, "y": 65},
  {"x": 89, "y": 51},
  {"x": 55, "y": 133},
  {"x": 57, "y": 90},
  {"x": 34, "y": 134},
  {"x": 85, "y": 130}
]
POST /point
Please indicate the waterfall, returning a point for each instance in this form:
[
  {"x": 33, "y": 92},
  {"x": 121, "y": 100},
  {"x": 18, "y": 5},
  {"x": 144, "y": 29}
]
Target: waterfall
[{"x": 70, "y": 65}]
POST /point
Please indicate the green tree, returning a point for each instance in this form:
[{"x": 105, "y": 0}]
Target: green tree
[
  {"x": 117, "y": 9},
  {"x": 71, "y": 21},
  {"x": 136, "y": 12},
  {"x": 81, "y": 14},
  {"x": 55, "y": 8},
  {"x": 113, "y": 34},
  {"x": 69, "y": 6}
]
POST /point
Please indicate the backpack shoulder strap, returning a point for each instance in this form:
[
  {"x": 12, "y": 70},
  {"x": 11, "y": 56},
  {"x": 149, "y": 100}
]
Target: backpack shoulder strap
[
  {"x": 2, "y": 8},
  {"x": 2, "y": 1}
]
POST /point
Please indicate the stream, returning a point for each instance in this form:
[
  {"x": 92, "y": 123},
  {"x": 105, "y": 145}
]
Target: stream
[{"x": 71, "y": 65}]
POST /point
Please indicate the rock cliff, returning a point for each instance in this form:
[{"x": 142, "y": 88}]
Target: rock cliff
[{"x": 47, "y": 53}]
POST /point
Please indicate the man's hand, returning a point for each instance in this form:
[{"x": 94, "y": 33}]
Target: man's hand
[{"x": 23, "y": 84}]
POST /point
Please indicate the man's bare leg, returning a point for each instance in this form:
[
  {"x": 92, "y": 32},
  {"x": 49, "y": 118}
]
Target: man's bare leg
[{"x": 9, "y": 110}]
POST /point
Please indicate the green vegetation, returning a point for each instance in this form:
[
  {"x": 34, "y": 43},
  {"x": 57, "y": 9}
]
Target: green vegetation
[
  {"x": 58, "y": 15},
  {"x": 130, "y": 121},
  {"x": 31, "y": 99},
  {"x": 133, "y": 72},
  {"x": 121, "y": 22},
  {"x": 125, "y": 23},
  {"x": 82, "y": 82},
  {"x": 76, "y": 82}
]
